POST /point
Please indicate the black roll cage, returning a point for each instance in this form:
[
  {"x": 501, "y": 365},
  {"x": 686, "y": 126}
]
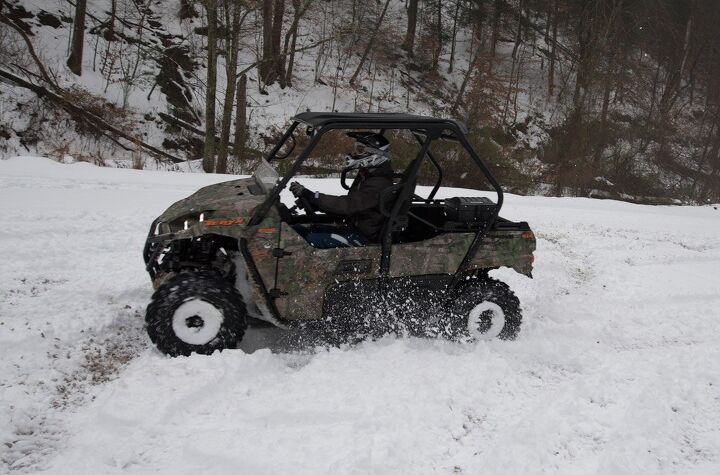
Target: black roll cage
[{"x": 425, "y": 130}]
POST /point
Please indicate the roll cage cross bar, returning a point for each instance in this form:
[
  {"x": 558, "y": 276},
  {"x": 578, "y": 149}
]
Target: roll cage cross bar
[{"x": 425, "y": 130}]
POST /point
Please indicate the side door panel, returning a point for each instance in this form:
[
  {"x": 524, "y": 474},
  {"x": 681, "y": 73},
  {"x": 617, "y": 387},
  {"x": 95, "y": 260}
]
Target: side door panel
[{"x": 305, "y": 273}]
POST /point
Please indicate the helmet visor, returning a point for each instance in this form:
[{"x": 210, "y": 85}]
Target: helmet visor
[{"x": 361, "y": 149}]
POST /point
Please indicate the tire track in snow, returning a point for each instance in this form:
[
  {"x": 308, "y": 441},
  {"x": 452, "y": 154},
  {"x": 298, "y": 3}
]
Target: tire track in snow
[{"x": 38, "y": 429}]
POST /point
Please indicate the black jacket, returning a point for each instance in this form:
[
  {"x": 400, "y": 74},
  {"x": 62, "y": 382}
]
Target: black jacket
[{"x": 361, "y": 204}]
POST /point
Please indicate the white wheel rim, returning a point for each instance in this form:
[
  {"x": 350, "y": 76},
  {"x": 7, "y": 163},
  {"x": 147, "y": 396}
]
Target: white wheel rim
[
  {"x": 197, "y": 322},
  {"x": 478, "y": 316}
]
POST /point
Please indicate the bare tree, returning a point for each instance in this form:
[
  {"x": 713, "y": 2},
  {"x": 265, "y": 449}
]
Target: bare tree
[
  {"x": 496, "y": 24},
  {"x": 472, "y": 62},
  {"x": 370, "y": 43},
  {"x": 272, "y": 62},
  {"x": 210, "y": 93},
  {"x": 321, "y": 57},
  {"x": 454, "y": 35},
  {"x": 276, "y": 61},
  {"x": 232, "y": 43},
  {"x": 267, "y": 29},
  {"x": 412, "y": 14},
  {"x": 74, "y": 61},
  {"x": 438, "y": 38},
  {"x": 299, "y": 9},
  {"x": 553, "y": 51},
  {"x": 241, "y": 119}
]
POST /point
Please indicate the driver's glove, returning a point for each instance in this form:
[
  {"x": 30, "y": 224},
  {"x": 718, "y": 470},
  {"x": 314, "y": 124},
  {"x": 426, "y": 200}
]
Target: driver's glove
[{"x": 296, "y": 189}]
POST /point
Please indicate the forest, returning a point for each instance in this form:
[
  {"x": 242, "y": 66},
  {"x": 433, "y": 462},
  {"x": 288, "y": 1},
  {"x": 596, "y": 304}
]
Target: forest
[{"x": 602, "y": 98}]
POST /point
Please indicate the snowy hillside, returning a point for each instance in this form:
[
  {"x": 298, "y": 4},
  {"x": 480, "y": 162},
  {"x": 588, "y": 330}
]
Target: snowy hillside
[
  {"x": 615, "y": 369},
  {"x": 596, "y": 98}
]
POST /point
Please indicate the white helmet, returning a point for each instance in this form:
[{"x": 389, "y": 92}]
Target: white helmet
[{"x": 370, "y": 150}]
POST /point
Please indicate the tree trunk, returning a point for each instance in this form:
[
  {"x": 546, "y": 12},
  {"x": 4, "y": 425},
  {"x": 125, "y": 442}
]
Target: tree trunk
[
  {"x": 474, "y": 55},
  {"x": 601, "y": 134},
  {"x": 711, "y": 181},
  {"x": 109, "y": 35},
  {"x": 686, "y": 44},
  {"x": 518, "y": 37},
  {"x": 438, "y": 38},
  {"x": 241, "y": 119},
  {"x": 613, "y": 38},
  {"x": 409, "y": 42},
  {"x": 548, "y": 20},
  {"x": 370, "y": 43},
  {"x": 273, "y": 71},
  {"x": 673, "y": 84},
  {"x": 267, "y": 54},
  {"x": 291, "y": 59},
  {"x": 372, "y": 83},
  {"x": 454, "y": 35},
  {"x": 586, "y": 46},
  {"x": 553, "y": 52},
  {"x": 509, "y": 92},
  {"x": 299, "y": 9},
  {"x": 232, "y": 43},
  {"x": 703, "y": 157},
  {"x": 74, "y": 61},
  {"x": 497, "y": 15},
  {"x": 209, "y": 150}
]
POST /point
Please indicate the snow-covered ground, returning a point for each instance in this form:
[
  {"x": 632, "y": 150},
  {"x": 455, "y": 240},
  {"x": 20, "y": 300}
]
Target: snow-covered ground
[{"x": 614, "y": 371}]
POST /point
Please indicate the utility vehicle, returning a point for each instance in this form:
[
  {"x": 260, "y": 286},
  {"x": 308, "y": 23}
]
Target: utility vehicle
[{"x": 229, "y": 256}]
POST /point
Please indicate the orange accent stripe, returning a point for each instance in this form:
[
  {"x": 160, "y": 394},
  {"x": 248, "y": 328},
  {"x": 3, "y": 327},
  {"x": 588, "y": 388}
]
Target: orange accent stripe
[
  {"x": 267, "y": 230},
  {"x": 224, "y": 222}
]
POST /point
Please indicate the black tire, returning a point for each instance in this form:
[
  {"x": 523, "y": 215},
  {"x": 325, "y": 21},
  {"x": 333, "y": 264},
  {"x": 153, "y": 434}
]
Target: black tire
[
  {"x": 475, "y": 308},
  {"x": 216, "y": 313}
]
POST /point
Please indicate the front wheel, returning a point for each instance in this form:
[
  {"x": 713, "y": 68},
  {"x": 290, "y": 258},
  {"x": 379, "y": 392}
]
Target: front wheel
[
  {"x": 195, "y": 312},
  {"x": 485, "y": 309}
]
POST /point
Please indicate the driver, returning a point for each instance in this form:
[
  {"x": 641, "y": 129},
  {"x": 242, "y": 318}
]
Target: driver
[{"x": 360, "y": 207}]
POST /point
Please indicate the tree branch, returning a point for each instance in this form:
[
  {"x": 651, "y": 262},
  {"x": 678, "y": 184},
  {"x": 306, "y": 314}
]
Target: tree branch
[
  {"x": 92, "y": 120},
  {"x": 304, "y": 48},
  {"x": 43, "y": 72}
]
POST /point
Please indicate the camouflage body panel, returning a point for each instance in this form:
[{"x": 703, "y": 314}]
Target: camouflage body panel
[
  {"x": 226, "y": 208},
  {"x": 306, "y": 272},
  {"x": 506, "y": 248},
  {"x": 439, "y": 255},
  {"x": 443, "y": 254}
]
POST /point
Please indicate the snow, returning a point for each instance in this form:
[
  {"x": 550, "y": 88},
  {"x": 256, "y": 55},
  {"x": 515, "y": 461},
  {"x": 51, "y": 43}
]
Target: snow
[{"x": 614, "y": 370}]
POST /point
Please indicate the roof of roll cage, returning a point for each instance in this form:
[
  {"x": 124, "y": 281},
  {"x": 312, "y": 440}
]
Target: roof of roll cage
[{"x": 376, "y": 120}]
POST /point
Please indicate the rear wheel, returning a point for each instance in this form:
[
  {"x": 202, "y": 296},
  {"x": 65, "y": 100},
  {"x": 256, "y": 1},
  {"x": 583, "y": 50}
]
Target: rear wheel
[
  {"x": 196, "y": 312},
  {"x": 486, "y": 309}
]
